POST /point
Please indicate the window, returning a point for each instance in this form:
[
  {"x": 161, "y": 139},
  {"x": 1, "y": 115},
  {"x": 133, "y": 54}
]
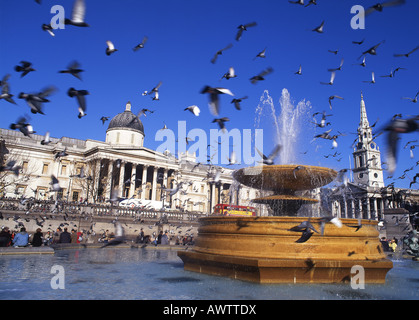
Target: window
[
  {"x": 376, "y": 175},
  {"x": 25, "y": 165},
  {"x": 45, "y": 168},
  {"x": 117, "y": 137},
  {"x": 75, "y": 196},
  {"x": 63, "y": 170}
]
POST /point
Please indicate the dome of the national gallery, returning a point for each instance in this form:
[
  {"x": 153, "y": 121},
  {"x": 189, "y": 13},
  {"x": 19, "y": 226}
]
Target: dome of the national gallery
[
  {"x": 126, "y": 120},
  {"x": 125, "y": 129}
]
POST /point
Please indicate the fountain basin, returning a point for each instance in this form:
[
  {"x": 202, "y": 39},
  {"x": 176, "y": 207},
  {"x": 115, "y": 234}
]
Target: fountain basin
[{"x": 262, "y": 249}]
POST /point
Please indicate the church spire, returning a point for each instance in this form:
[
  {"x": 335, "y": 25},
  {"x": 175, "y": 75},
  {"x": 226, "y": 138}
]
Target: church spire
[{"x": 364, "y": 119}]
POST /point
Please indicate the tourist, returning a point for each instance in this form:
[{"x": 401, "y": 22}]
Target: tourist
[
  {"x": 48, "y": 238},
  {"x": 5, "y": 237},
  {"x": 65, "y": 237},
  {"x": 164, "y": 239},
  {"x": 73, "y": 236},
  {"x": 56, "y": 236},
  {"x": 384, "y": 243},
  {"x": 393, "y": 245},
  {"x": 21, "y": 239},
  {"x": 37, "y": 238},
  {"x": 159, "y": 237},
  {"x": 79, "y": 236}
]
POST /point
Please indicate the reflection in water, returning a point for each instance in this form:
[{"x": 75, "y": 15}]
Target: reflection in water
[{"x": 116, "y": 273}]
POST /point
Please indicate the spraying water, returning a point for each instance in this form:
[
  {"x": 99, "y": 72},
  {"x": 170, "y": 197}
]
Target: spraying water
[{"x": 288, "y": 124}]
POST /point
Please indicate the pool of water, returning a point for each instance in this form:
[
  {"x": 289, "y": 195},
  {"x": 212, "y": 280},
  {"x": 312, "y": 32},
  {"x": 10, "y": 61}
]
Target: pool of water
[{"x": 117, "y": 273}]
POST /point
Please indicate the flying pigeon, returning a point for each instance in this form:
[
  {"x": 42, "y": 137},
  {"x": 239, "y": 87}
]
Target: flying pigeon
[
  {"x": 319, "y": 29},
  {"x": 73, "y": 69},
  {"x": 35, "y": 100},
  {"x": 11, "y": 166},
  {"x": 25, "y": 68},
  {"x": 119, "y": 236},
  {"x": 77, "y": 15},
  {"x": 332, "y": 79},
  {"x": 214, "y": 103},
  {"x": 110, "y": 48},
  {"x": 194, "y": 109},
  {"x": 261, "y": 75},
  {"x": 141, "y": 45},
  {"x": 55, "y": 185},
  {"x": 406, "y": 54},
  {"x": 220, "y": 52},
  {"x": 48, "y": 28},
  {"x": 270, "y": 159},
  {"x": 220, "y": 122},
  {"x": 104, "y": 119},
  {"x": 379, "y": 6},
  {"x": 81, "y": 100},
  {"x": 5, "y": 92},
  {"x": 237, "y": 102},
  {"x": 243, "y": 28},
  {"x": 230, "y": 74},
  {"x": 46, "y": 139},
  {"x": 22, "y": 126}
]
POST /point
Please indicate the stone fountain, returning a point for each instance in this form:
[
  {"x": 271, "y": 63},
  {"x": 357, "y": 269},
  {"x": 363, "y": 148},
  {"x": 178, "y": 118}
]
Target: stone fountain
[
  {"x": 268, "y": 250},
  {"x": 264, "y": 249}
]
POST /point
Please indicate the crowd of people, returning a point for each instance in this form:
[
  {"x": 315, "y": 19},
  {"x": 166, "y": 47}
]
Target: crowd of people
[{"x": 60, "y": 236}]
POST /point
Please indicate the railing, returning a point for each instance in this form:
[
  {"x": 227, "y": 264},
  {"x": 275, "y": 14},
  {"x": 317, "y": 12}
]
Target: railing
[{"x": 74, "y": 208}]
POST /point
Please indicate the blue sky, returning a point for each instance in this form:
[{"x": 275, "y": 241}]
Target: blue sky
[{"x": 183, "y": 37}]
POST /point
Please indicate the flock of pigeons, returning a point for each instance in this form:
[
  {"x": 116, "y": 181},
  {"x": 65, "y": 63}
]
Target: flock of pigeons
[{"x": 35, "y": 101}]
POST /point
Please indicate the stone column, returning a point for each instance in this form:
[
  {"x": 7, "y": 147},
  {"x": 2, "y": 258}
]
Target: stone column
[
  {"x": 121, "y": 179},
  {"x": 132, "y": 181},
  {"x": 368, "y": 208},
  {"x": 212, "y": 197},
  {"x": 154, "y": 184},
  {"x": 110, "y": 177},
  {"x": 97, "y": 180},
  {"x": 144, "y": 182}
]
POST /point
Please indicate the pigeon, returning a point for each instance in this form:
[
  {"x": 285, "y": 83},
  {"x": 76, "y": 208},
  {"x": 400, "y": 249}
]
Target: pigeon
[
  {"x": 261, "y": 54},
  {"x": 319, "y": 29},
  {"x": 214, "y": 102},
  {"x": 155, "y": 90},
  {"x": 414, "y": 100},
  {"x": 22, "y": 126},
  {"x": 299, "y": 71},
  {"x": 11, "y": 166},
  {"x": 35, "y": 100},
  {"x": 372, "y": 78},
  {"x": 392, "y": 73},
  {"x": 305, "y": 228},
  {"x": 357, "y": 226},
  {"x": 300, "y": 2},
  {"x": 406, "y": 54},
  {"x": 359, "y": 42},
  {"x": 119, "y": 236},
  {"x": 335, "y": 220},
  {"x": 81, "y": 100},
  {"x": 379, "y": 6},
  {"x": 143, "y": 112},
  {"x": 77, "y": 15},
  {"x": 110, "y": 48},
  {"x": 104, "y": 119},
  {"x": 55, "y": 185},
  {"x": 338, "y": 68},
  {"x": 194, "y": 109},
  {"x": 73, "y": 69},
  {"x": 270, "y": 159},
  {"x": 332, "y": 98},
  {"x": 395, "y": 128},
  {"x": 25, "y": 68},
  {"x": 220, "y": 52},
  {"x": 5, "y": 92},
  {"x": 237, "y": 102},
  {"x": 261, "y": 75},
  {"x": 46, "y": 140},
  {"x": 230, "y": 74},
  {"x": 362, "y": 64},
  {"x": 311, "y": 2},
  {"x": 220, "y": 122},
  {"x": 140, "y": 45},
  {"x": 60, "y": 154},
  {"x": 414, "y": 180},
  {"x": 332, "y": 79},
  {"x": 48, "y": 28},
  {"x": 372, "y": 50},
  {"x": 243, "y": 28}
]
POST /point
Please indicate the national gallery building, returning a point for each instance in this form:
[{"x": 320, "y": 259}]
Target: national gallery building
[{"x": 119, "y": 167}]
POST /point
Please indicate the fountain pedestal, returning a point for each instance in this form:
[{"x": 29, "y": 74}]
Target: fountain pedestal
[
  {"x": 261, "y": 249},
  {"x": 265, "y": 250}
]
